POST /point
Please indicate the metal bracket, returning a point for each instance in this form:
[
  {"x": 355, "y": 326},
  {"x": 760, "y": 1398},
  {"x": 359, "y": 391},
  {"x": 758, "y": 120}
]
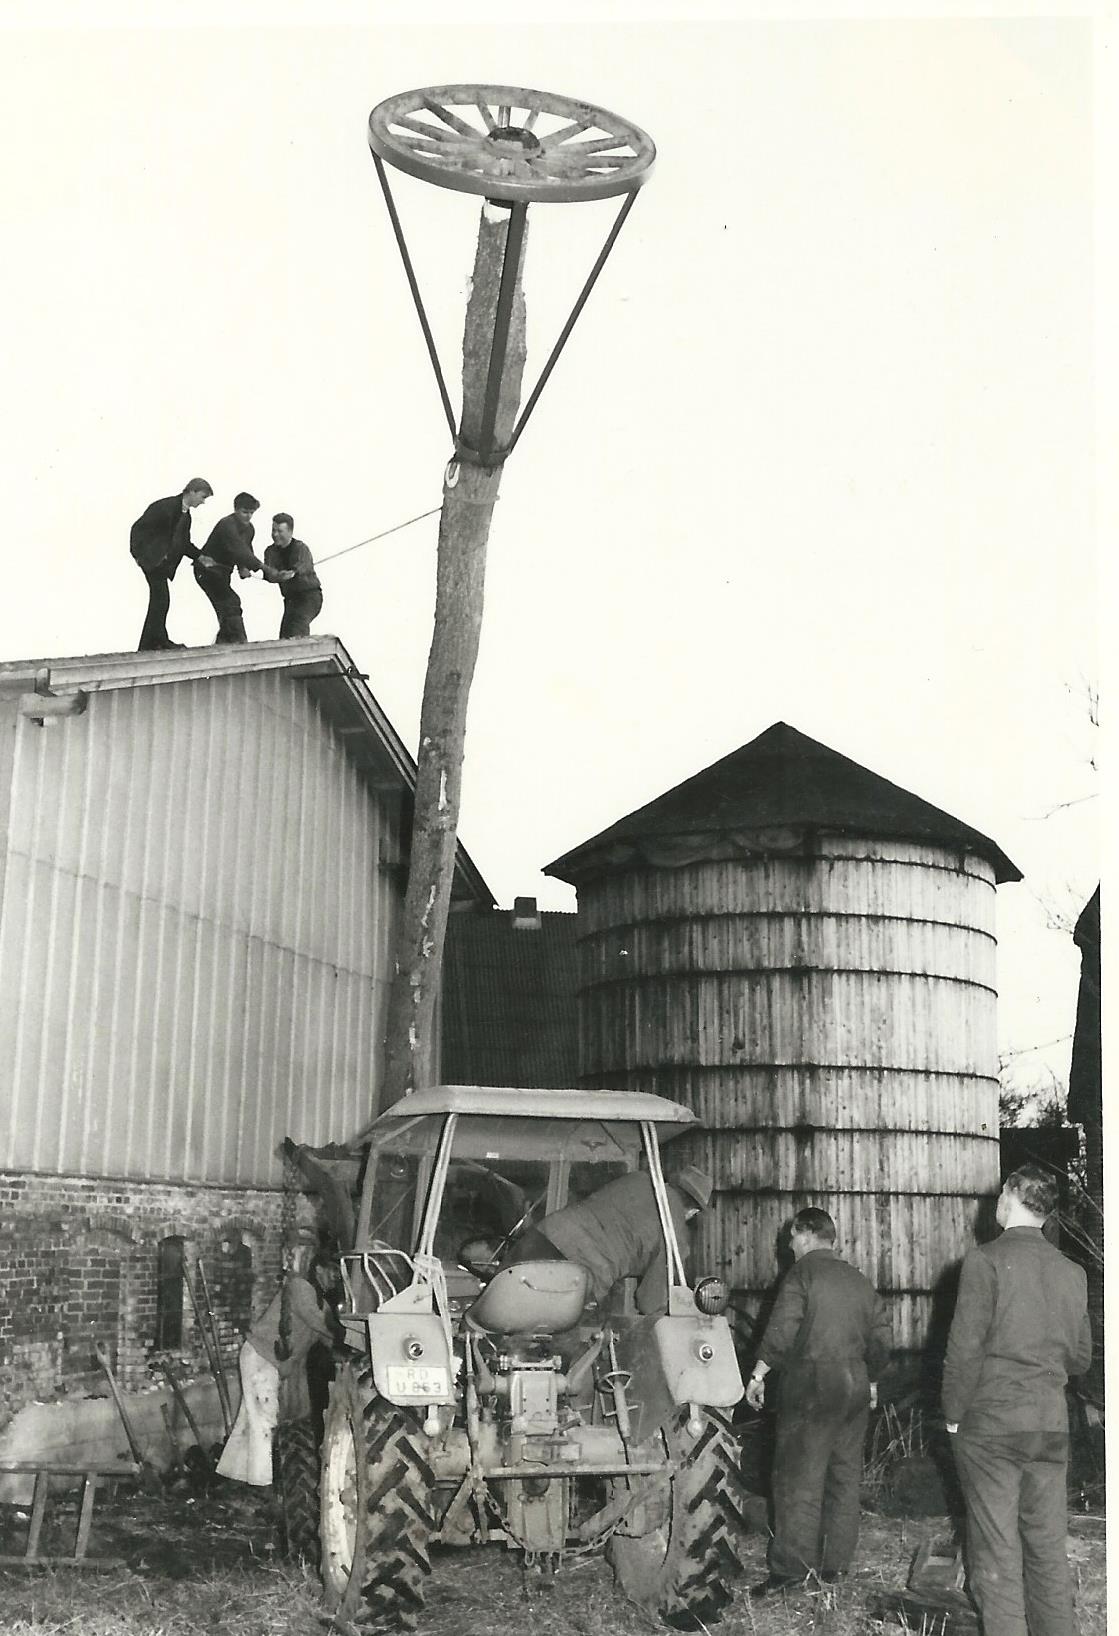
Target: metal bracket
[{"x": 45, "y": 705}]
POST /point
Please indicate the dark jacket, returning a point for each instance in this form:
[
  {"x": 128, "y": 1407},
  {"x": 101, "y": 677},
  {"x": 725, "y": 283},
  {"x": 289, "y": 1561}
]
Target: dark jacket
[
  {"x": 1020, "y": 1329},
  {"x": 298, "y": 557},
  {"x": 827, "y": 1312},
  {"x": 616, "y": 1233},
  {"x": 231, "y": 546},
  {"x": 160, "y": 538}
]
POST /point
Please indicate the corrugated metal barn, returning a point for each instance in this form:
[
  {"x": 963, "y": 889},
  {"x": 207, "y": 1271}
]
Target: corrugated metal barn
[
  {"x": 805, "y": 954},
  {"x": 202, "y": 863}
]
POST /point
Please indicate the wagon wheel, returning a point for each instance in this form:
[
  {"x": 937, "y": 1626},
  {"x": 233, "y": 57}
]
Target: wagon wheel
[{"x": 506, "y": 142}]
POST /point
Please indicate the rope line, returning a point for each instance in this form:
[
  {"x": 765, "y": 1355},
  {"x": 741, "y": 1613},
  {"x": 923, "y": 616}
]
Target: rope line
[{"x": 395, "y": 529}]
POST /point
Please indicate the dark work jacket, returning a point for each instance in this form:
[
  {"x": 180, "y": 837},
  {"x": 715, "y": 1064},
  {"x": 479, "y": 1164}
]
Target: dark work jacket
[
  {"x": 231, "y": 546},
  {"x": 160, "y": 538},
  {"x": 1020, "y": 1329},
  {"x": 296, "y": 556},
  {"x": 616, "y": 1233},
  {"x": 827, "y": 1312}
]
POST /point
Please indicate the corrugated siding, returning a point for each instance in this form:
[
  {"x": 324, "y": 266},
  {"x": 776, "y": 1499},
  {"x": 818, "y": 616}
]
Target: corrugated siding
[
  {"x": 831, "y": 1019},
  {"x": 196, "y": 932}
]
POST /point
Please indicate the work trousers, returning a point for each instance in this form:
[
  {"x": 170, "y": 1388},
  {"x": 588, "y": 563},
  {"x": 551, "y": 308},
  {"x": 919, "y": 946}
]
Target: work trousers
[
  {"x": 817, "y": 1464},
  {"x": 154, "y": 633},
  {"x": 225, "y": 603},
  {"x": 1014, "y": 1487},
  {"x": 299, "y": 610}
]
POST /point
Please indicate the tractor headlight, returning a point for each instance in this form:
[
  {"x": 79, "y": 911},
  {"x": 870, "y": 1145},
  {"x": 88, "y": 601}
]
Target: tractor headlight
[{"x": 711, "y": 1296}]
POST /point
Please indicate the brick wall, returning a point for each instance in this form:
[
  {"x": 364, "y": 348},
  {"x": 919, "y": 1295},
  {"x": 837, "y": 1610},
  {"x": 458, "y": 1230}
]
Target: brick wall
[{"x": 80, "y": 1262}]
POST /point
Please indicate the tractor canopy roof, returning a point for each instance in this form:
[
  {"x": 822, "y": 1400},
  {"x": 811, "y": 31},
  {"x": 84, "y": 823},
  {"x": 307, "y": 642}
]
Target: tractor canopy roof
[{"x": 505, "y": 1121}]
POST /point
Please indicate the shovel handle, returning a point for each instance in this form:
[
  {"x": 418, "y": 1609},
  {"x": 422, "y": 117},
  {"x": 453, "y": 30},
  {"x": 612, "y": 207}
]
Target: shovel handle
[{"x": 147, "y": 1475}]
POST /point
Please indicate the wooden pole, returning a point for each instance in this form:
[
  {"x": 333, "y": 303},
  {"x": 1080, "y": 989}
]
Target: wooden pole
[{"x": 469, "y": 493}]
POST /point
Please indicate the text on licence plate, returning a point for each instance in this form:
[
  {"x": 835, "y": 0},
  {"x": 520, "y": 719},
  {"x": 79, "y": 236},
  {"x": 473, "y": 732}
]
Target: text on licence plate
[{"x": 417, "y": 1380}]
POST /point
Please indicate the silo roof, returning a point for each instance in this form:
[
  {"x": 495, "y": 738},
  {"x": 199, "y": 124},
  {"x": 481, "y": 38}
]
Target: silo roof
[{"x": 782, "y": 782}]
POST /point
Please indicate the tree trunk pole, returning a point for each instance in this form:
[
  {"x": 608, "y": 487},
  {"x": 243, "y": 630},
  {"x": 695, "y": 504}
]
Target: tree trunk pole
[{"x": 469, "y": 493}]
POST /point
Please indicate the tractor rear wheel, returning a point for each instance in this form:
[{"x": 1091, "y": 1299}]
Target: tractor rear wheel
[
  {"x": 377, "y": 1515},
  {"x": 681, "y": 1568},
  {"x": 296, "y": 1457}
]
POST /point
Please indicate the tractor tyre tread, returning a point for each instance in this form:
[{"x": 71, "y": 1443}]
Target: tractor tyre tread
[
  {"x": 297, "y": 1486},
  {"x": 690, "y": 1585},
  {"x": 397, "y": 1518}
]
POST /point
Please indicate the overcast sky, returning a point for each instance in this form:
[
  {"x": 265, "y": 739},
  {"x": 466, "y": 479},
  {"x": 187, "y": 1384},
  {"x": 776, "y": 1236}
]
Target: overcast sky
[{"x": 820, "y": 450}]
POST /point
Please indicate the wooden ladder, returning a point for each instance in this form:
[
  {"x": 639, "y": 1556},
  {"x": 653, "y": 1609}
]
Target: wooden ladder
[{"x": 90, "y": 1472}]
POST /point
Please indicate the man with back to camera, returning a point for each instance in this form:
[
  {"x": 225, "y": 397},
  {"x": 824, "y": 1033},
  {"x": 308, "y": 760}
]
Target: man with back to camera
[
  {"x": 829, "y": 1333},
  {"x": 294, "y": 567},
  {"x": 230, "y": 546},
  {"x": 1019, "y": 1330},
  {"x": 616, "y": 1233},
  {"x": 159, "y": 540}
]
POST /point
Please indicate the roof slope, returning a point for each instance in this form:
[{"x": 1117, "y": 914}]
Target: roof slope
[
  {"x": 509, "y": 1001},
  {"x": 781, "y": 780},
  {"x": 320, "y": 663}
]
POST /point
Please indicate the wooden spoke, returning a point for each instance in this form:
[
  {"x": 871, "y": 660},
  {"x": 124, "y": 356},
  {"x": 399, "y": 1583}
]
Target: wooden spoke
[
  {"x": 599, "y": 144},
  {"x": 450, "y": 119},
  {"x": 564, "y": 133}
]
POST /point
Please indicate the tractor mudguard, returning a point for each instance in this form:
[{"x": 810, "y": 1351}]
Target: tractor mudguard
[
  {"x": 411, "y": 1360},
  {"x": 672, "y": 1361}
]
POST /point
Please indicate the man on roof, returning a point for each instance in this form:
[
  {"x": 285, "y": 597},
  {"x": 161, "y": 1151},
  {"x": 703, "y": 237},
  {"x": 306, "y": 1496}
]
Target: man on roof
[
  {"x": 159, "y": 540},
  {"x": 616, "y": 1233},
  {"x": 230, "y": 546}
]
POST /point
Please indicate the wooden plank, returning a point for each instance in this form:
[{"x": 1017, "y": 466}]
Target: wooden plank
[
  {"x": 96, "y": 1564},
  {"x": 38, "y": 1511},
  {"x": 100, "y": 1468},
  {"x": 85, "y": 1516}
]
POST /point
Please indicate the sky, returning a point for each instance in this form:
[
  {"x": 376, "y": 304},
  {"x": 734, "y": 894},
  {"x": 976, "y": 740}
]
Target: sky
[{"x": 822, "y": 449}]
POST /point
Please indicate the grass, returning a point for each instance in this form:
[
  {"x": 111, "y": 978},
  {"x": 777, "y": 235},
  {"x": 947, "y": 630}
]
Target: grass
[{"x": 206, "y": 1565}]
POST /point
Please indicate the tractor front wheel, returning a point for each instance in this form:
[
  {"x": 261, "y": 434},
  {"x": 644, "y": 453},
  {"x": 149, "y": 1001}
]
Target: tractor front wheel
[
  {"x": 377, "y": 1514},
  {"x": 681, "y": 1566}
]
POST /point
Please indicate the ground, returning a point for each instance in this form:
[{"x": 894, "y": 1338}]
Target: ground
[{"x": 205, "y": 1563}]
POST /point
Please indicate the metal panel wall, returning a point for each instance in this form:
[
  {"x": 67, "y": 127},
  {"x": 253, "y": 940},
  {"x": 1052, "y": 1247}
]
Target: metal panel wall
[
  {"x": 831, "y": 1018},
  {"x": 196, "y": 933}
]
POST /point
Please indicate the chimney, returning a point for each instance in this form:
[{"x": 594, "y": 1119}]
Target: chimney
[{"x": 526, "y": 916}]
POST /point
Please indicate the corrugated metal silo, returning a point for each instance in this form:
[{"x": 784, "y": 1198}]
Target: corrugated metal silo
[{"x": 805, "y": 954}]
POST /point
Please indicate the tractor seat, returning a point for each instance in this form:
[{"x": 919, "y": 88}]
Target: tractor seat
[{"x": 532, "y": 1298}]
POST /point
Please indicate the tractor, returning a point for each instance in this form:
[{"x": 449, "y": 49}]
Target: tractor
[{"x": 476, "y": 1401}]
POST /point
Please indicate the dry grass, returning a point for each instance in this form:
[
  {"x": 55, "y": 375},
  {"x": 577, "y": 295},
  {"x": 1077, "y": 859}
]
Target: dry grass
[{"x": 205, "y": 1566}]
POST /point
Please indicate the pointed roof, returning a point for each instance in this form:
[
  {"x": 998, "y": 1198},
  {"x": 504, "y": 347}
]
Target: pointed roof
[{"x": 781, "y": 783}]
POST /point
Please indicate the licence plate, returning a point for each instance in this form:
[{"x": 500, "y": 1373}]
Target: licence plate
[{"x": 416, "y": 1380}]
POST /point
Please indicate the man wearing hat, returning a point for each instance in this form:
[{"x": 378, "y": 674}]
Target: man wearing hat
[
  {"x": 616, "y": 1233},
  {"x": 829, "y": 1334}
]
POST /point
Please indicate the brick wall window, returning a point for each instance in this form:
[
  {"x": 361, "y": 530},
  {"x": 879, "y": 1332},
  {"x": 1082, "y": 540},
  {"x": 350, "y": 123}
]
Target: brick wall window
[
  {"x": 233, "y": 1284},
  {"x": 169, "y": 1292}
]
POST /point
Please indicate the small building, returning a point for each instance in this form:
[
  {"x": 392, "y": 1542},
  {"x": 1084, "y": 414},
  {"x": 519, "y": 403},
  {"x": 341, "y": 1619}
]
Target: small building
[
  {"x": 509, "y": 1011},
  {"x": 804, "y": 954},
  {"x": 202, "y": 866}
]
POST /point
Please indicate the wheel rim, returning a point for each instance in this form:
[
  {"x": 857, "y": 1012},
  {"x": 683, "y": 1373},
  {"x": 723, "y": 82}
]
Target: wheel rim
[
  {"x": 508, "y": 142},
  {"x": 340, "y": 1502}
]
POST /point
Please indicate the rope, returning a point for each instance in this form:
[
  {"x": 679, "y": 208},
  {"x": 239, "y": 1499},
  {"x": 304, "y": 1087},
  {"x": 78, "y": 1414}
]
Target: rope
[{"x": 385, "y": 532}]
